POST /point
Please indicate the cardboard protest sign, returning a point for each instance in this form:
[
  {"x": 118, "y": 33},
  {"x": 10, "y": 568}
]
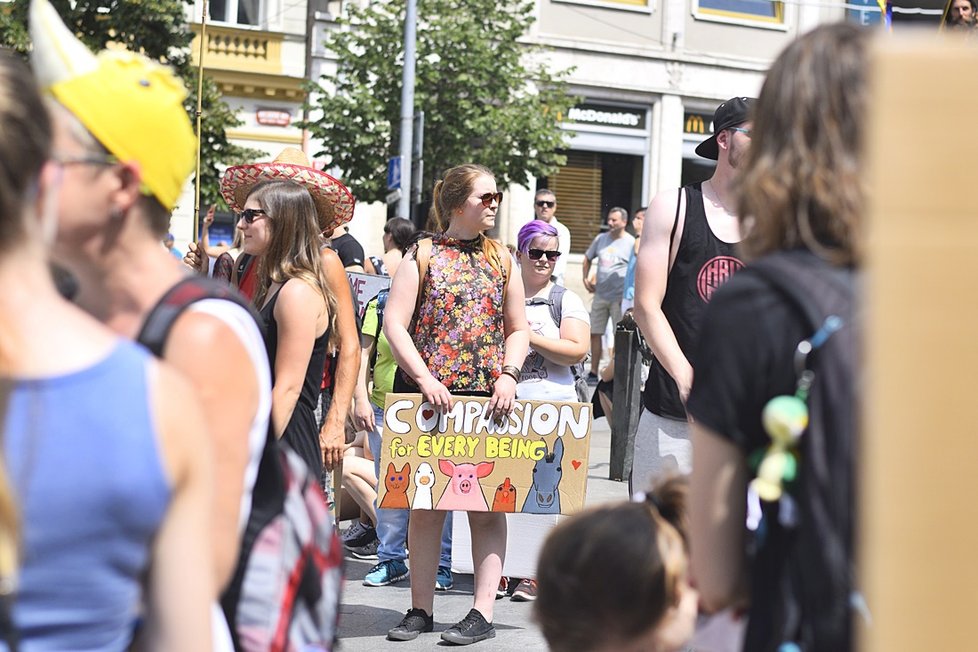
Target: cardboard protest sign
[
  {"x": 534, "y": 461},
  {"x": 365, "y": 287}
]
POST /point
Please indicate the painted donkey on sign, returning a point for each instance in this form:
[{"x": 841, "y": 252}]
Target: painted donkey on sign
[{"x": 544, "y": 496}]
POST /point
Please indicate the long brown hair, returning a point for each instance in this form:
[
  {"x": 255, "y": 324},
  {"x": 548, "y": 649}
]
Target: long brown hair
[
  {"x": 9, "y": 514},
  {"x": 451, "y": 193},
  {"x": 25, "y": 145},
  {"x": 802, "y": 182},
  {"x": 25, "y": 142},
  {"x": 294, "y": 242}
]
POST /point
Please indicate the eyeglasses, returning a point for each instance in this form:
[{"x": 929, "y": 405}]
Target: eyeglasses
[
  {"x": 742, "y": 130},
  {"x": 546, "y": 204},
  {"x": 487, "y": 198},
  {"x": 85, "y": 159},
  {"x": 537, "y": 254},
  {"x": 249, "y": 215}
]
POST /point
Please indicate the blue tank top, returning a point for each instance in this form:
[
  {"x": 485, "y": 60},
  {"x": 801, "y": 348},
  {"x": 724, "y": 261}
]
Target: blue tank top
[{"x": 84, "y": 459}]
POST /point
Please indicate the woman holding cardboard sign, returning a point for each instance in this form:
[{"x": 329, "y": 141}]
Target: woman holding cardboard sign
[{"x": 463, "y": 285}]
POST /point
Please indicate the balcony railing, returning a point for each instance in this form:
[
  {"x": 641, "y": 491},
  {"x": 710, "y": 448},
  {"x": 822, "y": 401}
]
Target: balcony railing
[{"x": 244, "y": 50}]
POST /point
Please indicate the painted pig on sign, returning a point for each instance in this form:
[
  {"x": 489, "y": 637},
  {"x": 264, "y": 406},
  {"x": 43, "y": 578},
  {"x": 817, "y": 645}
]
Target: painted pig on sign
[{"x": 464, "y": 493}]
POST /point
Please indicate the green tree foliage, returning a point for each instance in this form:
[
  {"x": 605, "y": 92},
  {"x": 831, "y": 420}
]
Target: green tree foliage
[
  {"x": 158, "y": 29},
  {"x": 485, "y": 100}
]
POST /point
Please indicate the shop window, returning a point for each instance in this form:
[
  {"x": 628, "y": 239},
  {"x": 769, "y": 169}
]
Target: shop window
[
  {"x": 742, "y": 11},
  {"x": 588, "y": 185},
  {"x": 235, "y": 12}
]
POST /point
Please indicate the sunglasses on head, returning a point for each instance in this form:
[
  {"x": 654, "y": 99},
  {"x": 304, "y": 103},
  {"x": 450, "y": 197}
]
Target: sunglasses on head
[
  {"x": 487, "y": 198},
  {"x": 537, "y": 254},
  {"x": 546, "y": 204},
  {"x": 249, "y": 215}
]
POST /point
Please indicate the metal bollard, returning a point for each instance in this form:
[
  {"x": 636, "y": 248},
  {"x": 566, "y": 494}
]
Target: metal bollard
[{"x": 626, "y": 400}]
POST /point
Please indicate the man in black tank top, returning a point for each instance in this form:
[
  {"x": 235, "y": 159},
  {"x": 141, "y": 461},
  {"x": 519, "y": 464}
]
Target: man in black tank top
[{"x": 687, "y": 251}]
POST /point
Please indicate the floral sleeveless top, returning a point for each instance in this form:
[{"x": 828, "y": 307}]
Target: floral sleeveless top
[{"x": 459, "y": 330}]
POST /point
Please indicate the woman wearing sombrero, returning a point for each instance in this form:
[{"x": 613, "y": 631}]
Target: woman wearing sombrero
[
  {"x": 283, "y": 207},
  {"x": 333, "y": 205}
]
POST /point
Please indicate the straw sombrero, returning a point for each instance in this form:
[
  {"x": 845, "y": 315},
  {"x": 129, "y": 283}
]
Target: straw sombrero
[{"x": 334, "y": 201}]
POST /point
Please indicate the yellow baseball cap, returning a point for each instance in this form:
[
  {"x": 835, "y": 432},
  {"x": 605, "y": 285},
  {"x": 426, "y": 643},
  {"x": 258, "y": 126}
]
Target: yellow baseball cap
[{"x": 133, "y": 106}]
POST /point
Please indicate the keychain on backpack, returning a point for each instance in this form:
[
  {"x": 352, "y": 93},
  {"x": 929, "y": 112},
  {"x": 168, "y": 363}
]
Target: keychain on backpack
[{"x": 785, "y": 419}]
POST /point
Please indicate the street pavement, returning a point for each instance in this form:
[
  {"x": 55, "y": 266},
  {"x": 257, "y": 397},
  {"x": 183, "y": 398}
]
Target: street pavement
[{"x": 368, "y": 612}]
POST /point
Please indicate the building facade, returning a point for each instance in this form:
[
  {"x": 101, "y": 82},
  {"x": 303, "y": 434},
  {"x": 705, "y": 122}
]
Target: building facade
[{"x": 649, "y": 74}]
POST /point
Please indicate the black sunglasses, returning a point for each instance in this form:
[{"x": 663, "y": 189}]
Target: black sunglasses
[
  {"x": 249, "y": 215},
  {"x": 537, "y": 254},
  {"x": 546, "y": 204},
  {"x": 487, "y": 198}
]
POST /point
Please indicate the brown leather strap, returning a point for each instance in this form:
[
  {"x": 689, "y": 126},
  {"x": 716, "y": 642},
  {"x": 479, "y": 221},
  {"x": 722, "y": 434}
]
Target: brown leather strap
[{"x": 422, "y": 256}]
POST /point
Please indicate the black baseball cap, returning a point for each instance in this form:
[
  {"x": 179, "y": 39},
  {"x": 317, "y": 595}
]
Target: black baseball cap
[{"x": 733, "y": 112}]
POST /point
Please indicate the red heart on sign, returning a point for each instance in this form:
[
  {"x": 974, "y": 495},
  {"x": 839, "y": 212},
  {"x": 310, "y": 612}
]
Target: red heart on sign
[
  {"x": 576, "y": 464},
  {"x": 427, "y": 414}
]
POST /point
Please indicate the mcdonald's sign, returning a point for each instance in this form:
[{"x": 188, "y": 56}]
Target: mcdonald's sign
[{"x": 695, "y": 124}]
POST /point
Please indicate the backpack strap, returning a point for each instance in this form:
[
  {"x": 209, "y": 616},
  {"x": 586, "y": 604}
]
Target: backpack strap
[
  {"x": 784, "y": 272},
  {"x": 241, "y": 264},
  {"x": 422, "y": 257},
  {"x": 556, "y": 300},
  {"x": 507, "y": 259},
  {"x": 156, "y": 328},
  {"x": 381, "y": 301}
]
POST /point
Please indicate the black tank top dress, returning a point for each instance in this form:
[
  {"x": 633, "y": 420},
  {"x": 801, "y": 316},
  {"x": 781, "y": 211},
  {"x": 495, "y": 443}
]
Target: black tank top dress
[{"x": 302, "y": 432}]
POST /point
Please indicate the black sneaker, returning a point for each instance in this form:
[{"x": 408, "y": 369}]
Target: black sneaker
[
  {"x": 471, "y": 629},
  {"x": 368, "y": 551},
  {"x": 592, "y": 378},
  {"x": 358, "y": 534},
  {"x": 415, "y": 622}
]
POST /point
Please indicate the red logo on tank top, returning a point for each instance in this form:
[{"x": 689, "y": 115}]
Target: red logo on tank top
[{"x": 715, "y": 273}]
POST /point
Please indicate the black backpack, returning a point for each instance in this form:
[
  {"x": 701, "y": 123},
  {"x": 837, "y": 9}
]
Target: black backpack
[
  {"x": 555, "y": 301},
  {"x": 812, "y": 538},
  {"x": 381, "y": 300},
  {"x": 285, "y": 591}
]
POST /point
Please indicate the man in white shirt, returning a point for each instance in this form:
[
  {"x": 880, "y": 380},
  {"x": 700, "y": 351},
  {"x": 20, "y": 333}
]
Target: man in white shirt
[{"x": 545, "y": 208}]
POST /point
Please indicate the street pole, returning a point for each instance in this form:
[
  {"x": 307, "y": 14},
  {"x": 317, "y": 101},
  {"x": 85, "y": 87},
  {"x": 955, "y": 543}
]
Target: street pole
[{"x": 407, "y": 108}]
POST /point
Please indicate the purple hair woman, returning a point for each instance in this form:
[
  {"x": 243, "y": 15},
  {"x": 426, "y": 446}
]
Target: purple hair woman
[{"x": 546, "y": 372}]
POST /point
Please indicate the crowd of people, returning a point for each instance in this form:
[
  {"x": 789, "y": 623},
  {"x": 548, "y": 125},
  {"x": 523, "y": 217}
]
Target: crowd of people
[{"x": 183, "y": 404}]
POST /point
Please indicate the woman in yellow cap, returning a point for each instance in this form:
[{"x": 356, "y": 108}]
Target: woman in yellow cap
[
  {"x": 124, "y": 138},
  {"x": 103, "y": 443}
]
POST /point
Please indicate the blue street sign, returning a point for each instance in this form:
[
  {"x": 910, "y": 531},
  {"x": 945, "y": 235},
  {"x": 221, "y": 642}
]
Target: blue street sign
[
  {"x": 394, "y": 173},
  {"x": 871, "y": 16}
]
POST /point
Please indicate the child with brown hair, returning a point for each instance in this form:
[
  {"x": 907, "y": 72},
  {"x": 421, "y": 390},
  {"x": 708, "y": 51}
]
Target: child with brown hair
[{"x": 651, "y": 606}]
